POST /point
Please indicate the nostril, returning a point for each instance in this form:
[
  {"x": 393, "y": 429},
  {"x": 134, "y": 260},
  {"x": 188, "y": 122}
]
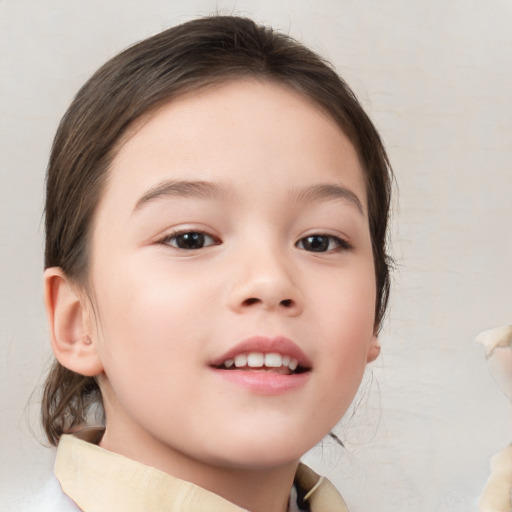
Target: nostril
[
  {"x": 286, "y": 303},
  {"x": 251, "y": 301}
]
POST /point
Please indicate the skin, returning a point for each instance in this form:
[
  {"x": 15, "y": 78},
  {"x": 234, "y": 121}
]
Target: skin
[{"x": 157, "y": 315}]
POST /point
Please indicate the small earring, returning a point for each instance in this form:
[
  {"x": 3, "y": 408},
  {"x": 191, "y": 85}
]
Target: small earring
[{"x": 87, "y": 340}]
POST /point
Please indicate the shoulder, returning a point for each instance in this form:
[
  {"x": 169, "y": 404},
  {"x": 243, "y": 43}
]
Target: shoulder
[{"x": 51, "y": 499}]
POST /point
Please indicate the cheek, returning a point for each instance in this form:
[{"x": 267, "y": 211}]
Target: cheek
[
  {"x": 147, "y": 350},
  {"x": 345, "y": 313},
  {"x": 346, "y": 304},
  {"x": 150, "y": 297},
  {"x": 149, "y": 325}
]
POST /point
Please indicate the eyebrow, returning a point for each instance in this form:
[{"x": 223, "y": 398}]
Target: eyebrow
[
  {"x": 193, "y": 189},
  {"x": 327, "y": 192},
  {"x": 209, "y": 190}
]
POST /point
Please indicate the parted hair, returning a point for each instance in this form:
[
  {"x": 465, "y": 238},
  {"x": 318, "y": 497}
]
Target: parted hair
[{"x": 139, "y": 80}]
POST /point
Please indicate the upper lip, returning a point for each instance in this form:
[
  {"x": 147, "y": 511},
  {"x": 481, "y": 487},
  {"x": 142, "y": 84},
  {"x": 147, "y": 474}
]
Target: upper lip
[{"x": 266, "y": 345}]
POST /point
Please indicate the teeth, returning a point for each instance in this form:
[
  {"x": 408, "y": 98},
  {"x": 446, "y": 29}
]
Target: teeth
[
  {"x": 259, "y": 360},
  {"x": 240, "y": 360},
  {"x": 255, "y": 360},
  {"x": 273, "y": 360}
]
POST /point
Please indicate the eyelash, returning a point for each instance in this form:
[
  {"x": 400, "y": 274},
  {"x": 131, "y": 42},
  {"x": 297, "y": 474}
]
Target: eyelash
[
  {"x": 168, "y": 239},
  {"x": 339, "y": 243}
]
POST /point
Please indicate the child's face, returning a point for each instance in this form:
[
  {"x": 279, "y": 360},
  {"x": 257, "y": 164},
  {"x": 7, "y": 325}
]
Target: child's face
[{"x": 234, "y": 215}]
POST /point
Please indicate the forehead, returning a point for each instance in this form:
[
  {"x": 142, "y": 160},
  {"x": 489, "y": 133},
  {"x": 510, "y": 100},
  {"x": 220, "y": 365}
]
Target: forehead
[{"x": 242, "y": 131}]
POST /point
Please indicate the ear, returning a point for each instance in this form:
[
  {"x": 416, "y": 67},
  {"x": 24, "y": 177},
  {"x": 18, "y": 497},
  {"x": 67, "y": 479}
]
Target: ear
[
  {"x": 373, "y": 349},
  {"x": 69, "y": 325}
]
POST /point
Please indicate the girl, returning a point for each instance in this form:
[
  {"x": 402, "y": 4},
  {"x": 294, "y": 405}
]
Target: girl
[{"x": 216, "y": 272}]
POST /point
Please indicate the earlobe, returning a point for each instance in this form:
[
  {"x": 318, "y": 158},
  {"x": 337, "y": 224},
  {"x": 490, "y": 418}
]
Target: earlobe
[
  {"x": 373, "y": 350},
  {"x": 70, "y": 335}
]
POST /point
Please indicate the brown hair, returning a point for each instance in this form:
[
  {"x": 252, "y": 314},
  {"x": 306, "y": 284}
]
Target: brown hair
[{"x": 139, "y": 80}]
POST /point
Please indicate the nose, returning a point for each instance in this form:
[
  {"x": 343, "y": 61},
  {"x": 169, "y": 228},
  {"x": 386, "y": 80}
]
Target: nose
[{"x": 265, "y": 282}]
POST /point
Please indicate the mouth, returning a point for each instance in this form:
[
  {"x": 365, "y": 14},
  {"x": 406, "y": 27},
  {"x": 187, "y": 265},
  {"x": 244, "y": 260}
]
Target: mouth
[
  {"x": 276, "y": 355},
  {"x": 271, "y": 362}
]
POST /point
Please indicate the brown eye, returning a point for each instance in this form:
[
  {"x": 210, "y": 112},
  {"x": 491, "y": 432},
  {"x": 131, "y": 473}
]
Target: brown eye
[
  {"x": 190, "y": 240},
  {"x": 321, "y": 243}
]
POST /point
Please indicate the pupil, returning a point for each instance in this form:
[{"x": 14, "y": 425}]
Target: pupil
[
  {"x": 317, "y": 243},
  {"x": 190, "y": 241}
]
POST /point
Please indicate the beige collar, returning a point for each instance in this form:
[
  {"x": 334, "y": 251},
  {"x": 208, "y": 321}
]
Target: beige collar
[{"x": 102, "y": 481}]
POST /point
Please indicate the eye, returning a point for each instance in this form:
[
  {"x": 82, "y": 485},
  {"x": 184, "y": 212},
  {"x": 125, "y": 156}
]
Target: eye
[
  {"x": 322, "y": 243},
  {"x": 189, "y": 240}
]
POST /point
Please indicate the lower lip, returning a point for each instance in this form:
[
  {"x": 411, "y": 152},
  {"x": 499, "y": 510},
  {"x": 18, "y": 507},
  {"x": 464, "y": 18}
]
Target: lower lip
[{"x": 264, "y": 383}]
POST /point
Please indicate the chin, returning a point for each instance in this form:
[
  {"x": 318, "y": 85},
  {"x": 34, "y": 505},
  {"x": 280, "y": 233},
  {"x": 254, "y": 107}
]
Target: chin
[
  {"x": 263, "y": 452},
  {"x": 258, "y": 461}
]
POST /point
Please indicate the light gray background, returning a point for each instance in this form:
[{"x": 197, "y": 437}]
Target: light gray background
[{"x": 436, "y": 76}]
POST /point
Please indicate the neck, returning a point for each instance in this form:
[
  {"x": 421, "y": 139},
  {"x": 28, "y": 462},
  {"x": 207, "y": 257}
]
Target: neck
[{"x": 254, "y": 489}]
